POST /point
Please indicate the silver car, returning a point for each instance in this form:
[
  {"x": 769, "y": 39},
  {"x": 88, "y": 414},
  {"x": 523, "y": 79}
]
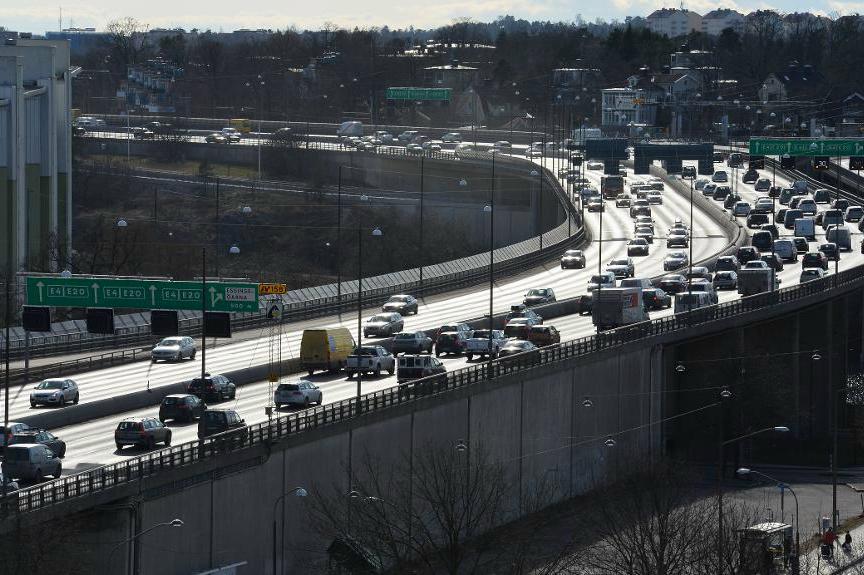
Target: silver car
[
  {"x": 54, "y": 392},
  {"x": 383, "y": 324},
  {"x": 302, "y": 393},
  {"x": 173, "y": 348}
]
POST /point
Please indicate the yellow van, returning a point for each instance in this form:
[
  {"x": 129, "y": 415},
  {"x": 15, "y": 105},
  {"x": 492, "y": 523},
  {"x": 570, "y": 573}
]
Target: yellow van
[{"x": 325, "y": 349}]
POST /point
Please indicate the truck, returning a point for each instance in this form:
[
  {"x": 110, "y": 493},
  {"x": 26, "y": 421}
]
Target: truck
[
  {"x": 611, "y": 186},
  {"x": 753, "y": 281},
  {"x": 616, "y": 307},
  {"x": 805, "y": 228},
  {"x": 370, "y": 359},
  {"x": 479, "y": 343}
]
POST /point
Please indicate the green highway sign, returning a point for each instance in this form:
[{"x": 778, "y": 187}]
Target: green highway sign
[
  {"x": 435, "y": 94},
  {"x": 806, "y": 147},
  {"x": 140, "y": 294}
]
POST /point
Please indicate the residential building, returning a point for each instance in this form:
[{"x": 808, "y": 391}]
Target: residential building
[
  {"x": 715, "y": 21},
  {"x": 35, "y": 152},
  {"x": 796, "y": 81},
  {"x": 454, "y": 75},
  {"x": 150, "y": 86},
  {"x": 674, "y": 22}
]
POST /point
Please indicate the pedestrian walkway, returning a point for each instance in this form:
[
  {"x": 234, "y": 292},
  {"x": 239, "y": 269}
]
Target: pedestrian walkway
[{"x": 851, "y": 563}]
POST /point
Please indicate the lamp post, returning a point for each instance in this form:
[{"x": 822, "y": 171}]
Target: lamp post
[
  {"x": 816, "y": 356},
  {"x": 339, "y": 237},
  {"x": 297, "y": 492},
  {"x": 172, "y": 523},
  {"x": 420, "y": 255},
  {"x": 723, "y": 444},
  {"x": 796, "y": 565},
  {"x": 490, "y": 209},
  {"x": 690, "y": 242},
  {"x": 375, "y": 233}
]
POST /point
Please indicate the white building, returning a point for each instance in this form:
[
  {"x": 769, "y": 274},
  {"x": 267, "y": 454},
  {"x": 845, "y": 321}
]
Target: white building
[
  {"x": 674, "y": 22},
  {"x": 715, "y": 21},
  {"x": 35, "y": 152}
]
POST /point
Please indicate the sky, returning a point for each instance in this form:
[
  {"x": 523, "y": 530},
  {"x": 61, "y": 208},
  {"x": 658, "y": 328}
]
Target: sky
[{"x": 37, "y": 16}]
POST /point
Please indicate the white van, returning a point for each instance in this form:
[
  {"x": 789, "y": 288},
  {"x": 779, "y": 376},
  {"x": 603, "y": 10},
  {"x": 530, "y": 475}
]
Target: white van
[
  {"x": 785, "y": 249},
  {"x": 839, "y": 235},
  {"x": 346, "y": 129},
  {"x": 30, "y": 461},
  {"x": 689, "y": 301}
]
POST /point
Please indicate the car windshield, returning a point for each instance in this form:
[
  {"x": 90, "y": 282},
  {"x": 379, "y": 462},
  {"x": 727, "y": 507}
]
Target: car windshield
[
  {"x": 17, "y": 454},
  {"x": 398, "y": 299},
  {"x": 364, "y": 351},
  {"x": 127, "y": 425},
  {"x": 599, "y": 279},
  {"x": 638, "y": 241},
  {"x": 404, "y": 336},
  {"x": 573, "y": 253},
  {"x": 619, "y": 262},
  {"x": 541, "y": 292},
  {"x": 170, "y": 341},
  {"x": 380, "y": 318},
  {"x": 289, "y": 387},
  {"x": 51, "y": 384},
  {"x": 170, "y": 400},
  {"x": 481, "y": 334}
]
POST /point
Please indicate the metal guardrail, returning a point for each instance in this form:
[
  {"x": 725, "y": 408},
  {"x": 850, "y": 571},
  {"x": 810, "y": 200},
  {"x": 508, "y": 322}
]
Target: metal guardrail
[
  {"x": 438, "y": 278},
  {"x": 106, "y": 477}
]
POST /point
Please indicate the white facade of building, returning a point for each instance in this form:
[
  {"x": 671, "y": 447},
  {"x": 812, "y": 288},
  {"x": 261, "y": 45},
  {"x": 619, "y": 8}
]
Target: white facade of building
[
  {"x": 714, "y": 22},
  {"x": 35, "y": 152},
  {"x": 674, "y": 22}
]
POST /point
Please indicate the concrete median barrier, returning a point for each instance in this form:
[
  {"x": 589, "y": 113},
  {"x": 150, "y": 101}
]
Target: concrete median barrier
[{"x": 52, "y": 418}]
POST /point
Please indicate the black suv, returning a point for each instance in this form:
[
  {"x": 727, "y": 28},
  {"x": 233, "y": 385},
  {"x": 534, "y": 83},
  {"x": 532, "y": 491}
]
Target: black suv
[
  {"x": 181, "y": 407},
  {"x": 144, "y": 431},
  {"x": 746, "y": 254},
  {"x": 219, "y": 421},
  {"x": 46, "y": 438},
  {"x": 212, "y": 387}
]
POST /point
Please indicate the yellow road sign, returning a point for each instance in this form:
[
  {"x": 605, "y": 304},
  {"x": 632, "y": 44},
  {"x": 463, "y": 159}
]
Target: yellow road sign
[{"x": 272, "y": 289}]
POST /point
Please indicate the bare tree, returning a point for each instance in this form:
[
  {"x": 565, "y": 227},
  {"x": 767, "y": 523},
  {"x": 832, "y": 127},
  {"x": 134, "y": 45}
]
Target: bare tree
[
  {"x": 127, "y": 42},
  {"x": 432, "y": 511}
]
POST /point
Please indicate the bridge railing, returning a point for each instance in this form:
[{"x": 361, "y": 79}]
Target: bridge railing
[{"x": 106, "y": 477}]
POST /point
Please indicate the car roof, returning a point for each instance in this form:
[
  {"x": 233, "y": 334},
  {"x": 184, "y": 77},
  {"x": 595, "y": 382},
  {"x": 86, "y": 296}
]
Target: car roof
[
  {"x": 179, "y": 395},
  {"x": 24, "y": 445}
]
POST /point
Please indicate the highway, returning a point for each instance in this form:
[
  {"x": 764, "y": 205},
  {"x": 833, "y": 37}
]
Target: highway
[{"x": 91, "y": 444}]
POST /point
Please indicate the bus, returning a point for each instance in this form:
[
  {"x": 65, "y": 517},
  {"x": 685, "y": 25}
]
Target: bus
[{"x": 611, "y": 186}]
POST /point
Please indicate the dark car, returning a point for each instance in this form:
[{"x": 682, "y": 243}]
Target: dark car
[
  {"x": 143, "y": 431},
  {"x": 450, "y": 342},
  {"x": 773, "y": 261},
  {"x": 781, "y": 215},
  {"x": 78, "y": 130},
  {"x": 573, "y": 259},
  {"x": 830, "y": 250},
  {"x": 215, "y": 421},
  {"x": 403, "y": 304},
  {"x": 774, "y": 192},
  {"x": 746, "y": 254},
  {"x": 822, "y": 196},
  {"x": 721, "y": 193},
  {"x": 181, "y": 407},
  {"x": 515, "y": 346},
  {"x": 673, "y": 283},
  {"x": 814, "y": 260},
  {"x": 411, "y": 342},
  {"x": 212, "y": 387},
  {"x": 656, "y": 298},
  {"x": 762, "y": 241},
  {"x": 728, "y": 264},
  {"x": 756, "y": 219},
  {"x": 46, "y": 438},
  {"x": 840, "y": 204},
  {"x": 730, "y": 201},
  {"x": 383, "y": 324},
  {"x": 538, "y": 296},
  {"x": 775, "y": 231},
  {"x": 541, "y": 335},
  {"x": 750, "y": 177},
  {"x": 802, "y": 246}
]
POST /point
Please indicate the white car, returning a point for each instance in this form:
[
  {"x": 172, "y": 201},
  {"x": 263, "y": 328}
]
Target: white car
[
  {"x": 173, "y": 348},
  {"x": 54, "y": 392},
  {"x": 594, "y": 165},
  {"x": 452, "y": 138},
  {"x": 231, "y": 134},
  {"x": 302, "y": 393},
  {"x": 810, "y": 274}
]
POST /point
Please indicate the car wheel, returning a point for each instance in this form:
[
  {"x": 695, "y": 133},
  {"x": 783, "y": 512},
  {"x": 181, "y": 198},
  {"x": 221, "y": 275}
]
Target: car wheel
[
  {"x": 38, "y": 477},
  {"x": 151, "y": 443},
  {"x": 306, "y": 403},
  {"x": 193, "y": 355},
  {"x": 162, "y": 419},
  {"x": 168, "y": 439},
  {"x": 77, "y": 397},
  {"x": 437, "y": 353},
  {"x": 320, "y": 398},
  {"x": 32, "y": 405},
  {"x": 350, "y": 374},
  {"x": 392, "y": 370},
  {"x": 59, "y": 471},
  {"x": 310, "y": 372},
  {"x": 378, "y": 370},
  {"x": 469, "y": 356},
  {"x": 178, "y": 357},
  {"x": 119, "y": 447},
  {"x": 233, "y": 393},
  {"x": 62, "y": 453}
]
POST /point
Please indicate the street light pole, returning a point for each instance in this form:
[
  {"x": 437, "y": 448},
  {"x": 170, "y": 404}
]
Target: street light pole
[
  {"x": 420, "y": 255},
  {"x": 339, "y": 237},
  {"x": 298, "y": 492},
  {"x": 377, "y": 233},
  {"x": 172, "y": 523},
  {"x": 491, "y": 261},
  {"x": 690, "y": 241},
  {"x": 9, "y": 269},
  {"x": 203, "y": 312}
]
